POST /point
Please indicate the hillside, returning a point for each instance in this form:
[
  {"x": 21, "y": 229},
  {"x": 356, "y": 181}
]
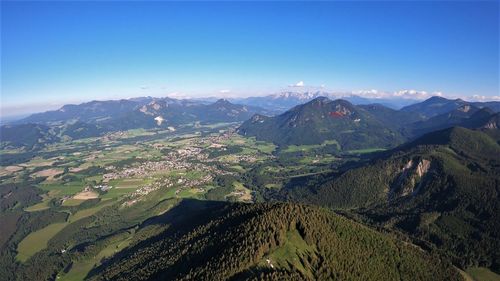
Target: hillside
[
  {"x": 270, "y": 242},
  {"x": 33, "y": 135},
  {"x": 320, "y": 120},
  {"x": 391, "y": 117},
  {"x": 442, "y": 188}
]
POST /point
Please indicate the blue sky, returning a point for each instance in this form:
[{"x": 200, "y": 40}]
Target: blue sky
[{"x": 57, "y": 52}]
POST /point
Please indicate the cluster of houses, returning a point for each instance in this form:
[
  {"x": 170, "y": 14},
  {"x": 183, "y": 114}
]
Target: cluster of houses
[
  {"x": 182, "y": 183},
  {"x": 191, "y": 157},
  {"x": 150, "y": 168},
  {"x": 217, "y": 138}
]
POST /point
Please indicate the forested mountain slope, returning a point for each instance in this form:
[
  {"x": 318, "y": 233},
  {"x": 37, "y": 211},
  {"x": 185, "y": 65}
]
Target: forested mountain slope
[
  {"x": 272, "y": 242},
  {"x": 444, "y": 188},
  {"x": 323, "y": 120}
]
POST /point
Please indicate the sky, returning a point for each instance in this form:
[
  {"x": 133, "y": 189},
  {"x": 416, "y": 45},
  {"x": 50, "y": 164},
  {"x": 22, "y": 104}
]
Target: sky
[{"x": 58, "y": 52}]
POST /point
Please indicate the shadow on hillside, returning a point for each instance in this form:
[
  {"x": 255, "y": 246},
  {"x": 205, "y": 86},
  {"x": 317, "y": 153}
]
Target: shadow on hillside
[{"x": 184, "y": 217}]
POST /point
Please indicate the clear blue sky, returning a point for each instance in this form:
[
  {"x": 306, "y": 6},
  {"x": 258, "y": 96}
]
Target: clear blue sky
[{"x": 53, "y": 52}]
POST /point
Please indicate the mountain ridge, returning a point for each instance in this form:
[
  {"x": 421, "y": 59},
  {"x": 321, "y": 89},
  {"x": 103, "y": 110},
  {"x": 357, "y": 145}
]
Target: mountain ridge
[
  {"x": 319, "y": 245},
  {"x": 319, "y": 120}
]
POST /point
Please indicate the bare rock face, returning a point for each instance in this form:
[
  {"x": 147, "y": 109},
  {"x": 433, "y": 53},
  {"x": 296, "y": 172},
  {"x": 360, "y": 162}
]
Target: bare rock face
[
  {"x": 464, "y": 108},
  {"x": 491, "y": 125},
  {"x": 409, "y": 178},
  {"x": 423, "y": 167}
]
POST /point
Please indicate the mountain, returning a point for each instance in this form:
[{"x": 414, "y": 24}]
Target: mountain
[
  {"x": 163, "y": 113},
  {"x": 269, "y": 242},
  {"x": 139, "y": 110},
  {"x": 33, "y": 135},
  {"x": 412, "y": 124},
  {"x": 283, "y": 101},
  {"x": 443, "y": 188},
  {"x": 393, "y": 103},
  {"x": 467, "y": 115},
  {"x": 322, "y": 120},
  {"x": 438, "y": 105},
  {"x": 493, "y": 105},
  {"x": 97, "y": 118},
  {"x": 86, "y": 112},
  {"x": 397, "y": 119},
  {"x": 222, "y": 109},
  {"x": 434, "y": 106},
  {"x": 492, "y": 122}
]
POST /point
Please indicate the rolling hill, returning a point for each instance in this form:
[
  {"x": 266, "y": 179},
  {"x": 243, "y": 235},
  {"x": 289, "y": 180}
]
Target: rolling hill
[
  {"x": 270, "y": 242},
  {"x": 322, "y": 120}
]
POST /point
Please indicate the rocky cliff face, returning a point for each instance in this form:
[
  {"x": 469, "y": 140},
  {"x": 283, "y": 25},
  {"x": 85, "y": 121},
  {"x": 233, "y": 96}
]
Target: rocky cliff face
[{"x": 409, "y": 180}]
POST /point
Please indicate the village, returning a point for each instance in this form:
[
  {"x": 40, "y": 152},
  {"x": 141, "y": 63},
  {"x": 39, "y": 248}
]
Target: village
[{"x": 179, "y": 162}]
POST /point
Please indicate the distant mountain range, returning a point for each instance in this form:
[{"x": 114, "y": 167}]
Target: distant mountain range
[
  {"x": 366, "y": 126},
  {"x": 288, "y": 99},
  {"x": 442, "y": 188},
  {"x": 439, "y": 105},
  {"x": 99, "y": 117},
  {"x": 172, "y": 111},
  {"x": 313, "y": 121}
]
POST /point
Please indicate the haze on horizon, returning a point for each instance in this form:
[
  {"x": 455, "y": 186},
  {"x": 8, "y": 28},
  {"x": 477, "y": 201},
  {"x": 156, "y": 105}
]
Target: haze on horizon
[{"x": 66, "y": 52}]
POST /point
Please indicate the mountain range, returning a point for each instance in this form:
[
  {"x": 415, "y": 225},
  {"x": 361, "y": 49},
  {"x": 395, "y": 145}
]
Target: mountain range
[
  {"x": 322, "y": 120},
  {"x": 99, "y": 117},
  {"x": 313, "y": 122},
  {"x": 365, "y": 126},
  {"x": 287, "y": 99}
]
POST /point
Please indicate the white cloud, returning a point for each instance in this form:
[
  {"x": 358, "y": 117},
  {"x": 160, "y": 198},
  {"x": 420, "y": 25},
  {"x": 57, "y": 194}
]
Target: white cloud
[
  {"x": 482, "y": 98},
  {"x": 369, "y": 93},
  {"x": 298, "y": 84},
  {"x": 224, "y": 91},
  {"x": 179, "y": 95},
  {"x": 402, "y": 94},
  {"x": 413, "y": 94}
]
